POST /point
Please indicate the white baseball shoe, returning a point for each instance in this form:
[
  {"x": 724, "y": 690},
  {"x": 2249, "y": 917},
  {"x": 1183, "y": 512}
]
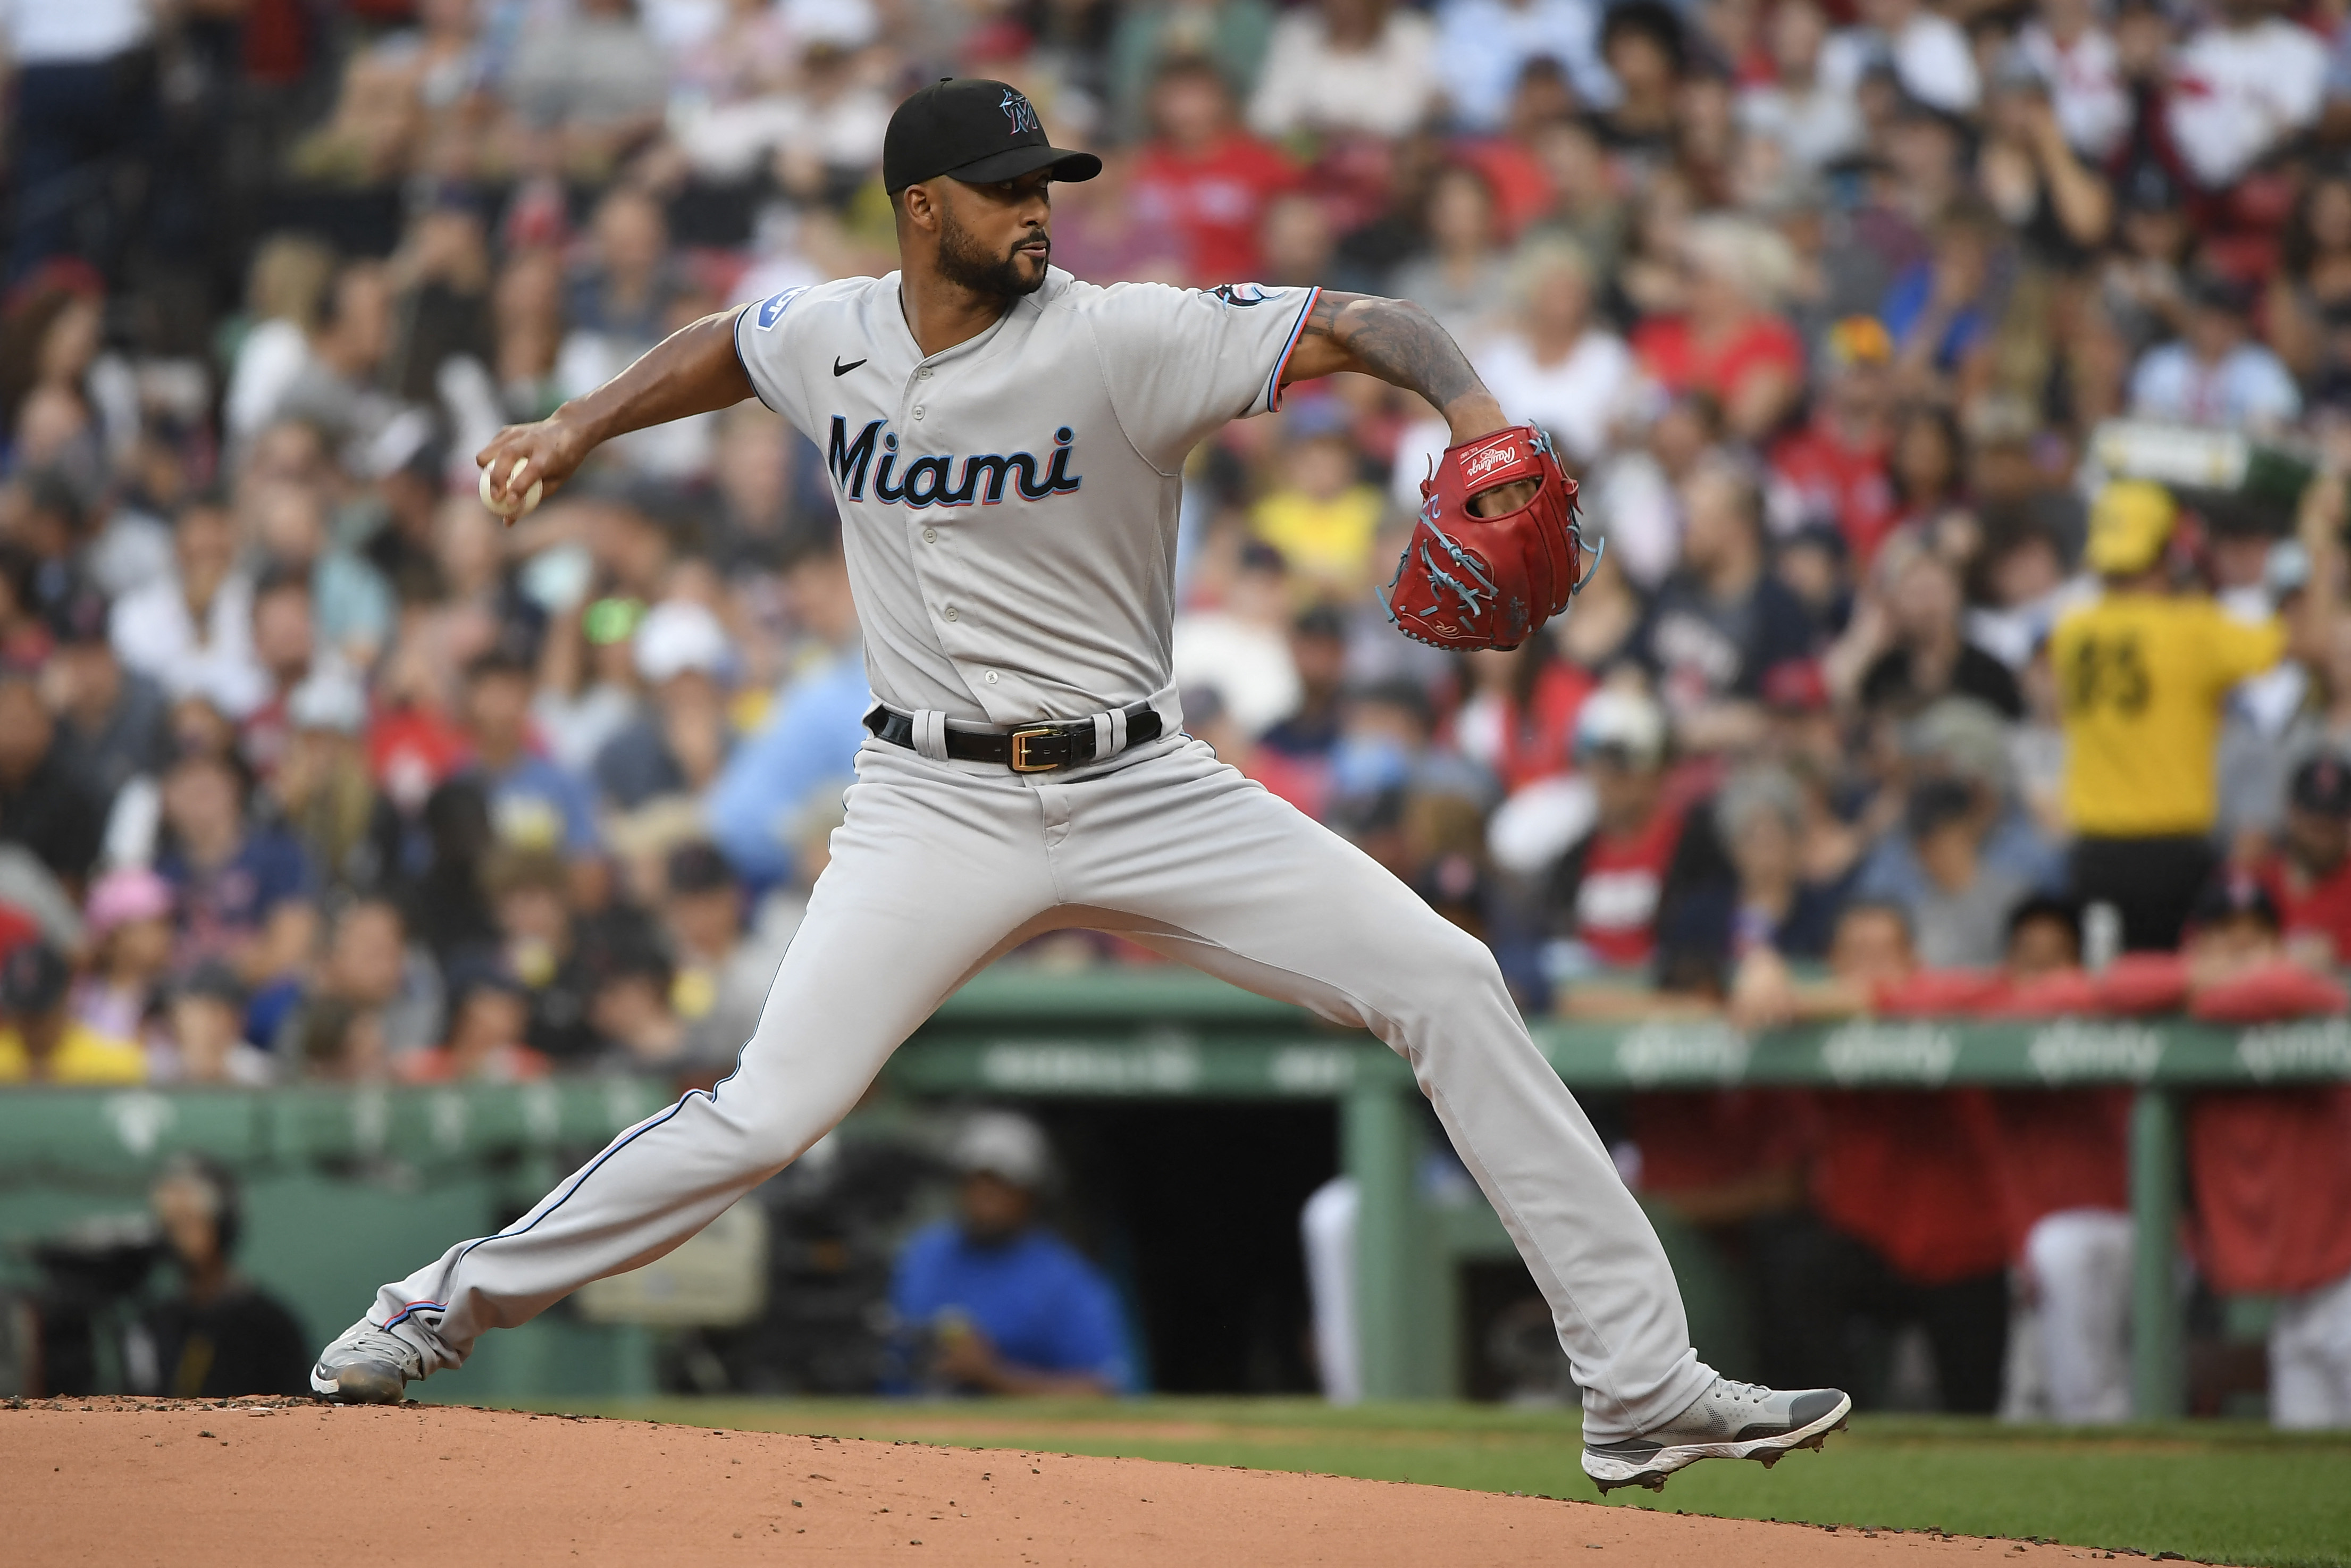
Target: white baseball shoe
[
  {"x": 368, "y": 1366},
  {"x": 1728, "y": 1421}
]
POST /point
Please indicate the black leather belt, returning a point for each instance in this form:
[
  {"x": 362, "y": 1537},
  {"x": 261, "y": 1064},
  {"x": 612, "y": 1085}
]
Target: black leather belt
[{"x": 1033, "y": 748}]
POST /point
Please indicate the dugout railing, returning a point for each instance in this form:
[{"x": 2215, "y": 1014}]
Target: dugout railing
[{"x": 1131, "y": 1034}]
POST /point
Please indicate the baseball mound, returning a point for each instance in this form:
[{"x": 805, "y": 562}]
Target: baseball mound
[{"x": 258, "y": 1483}]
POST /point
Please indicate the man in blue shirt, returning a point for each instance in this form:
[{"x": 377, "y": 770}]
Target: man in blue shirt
[
  {"x": 811, "y": 739},
  {"x": 998, "y": 1304},
  {"x": 534, "y": 803}
]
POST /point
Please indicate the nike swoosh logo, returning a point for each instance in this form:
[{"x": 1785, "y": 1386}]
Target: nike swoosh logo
[{"x": 841, "y": 370}]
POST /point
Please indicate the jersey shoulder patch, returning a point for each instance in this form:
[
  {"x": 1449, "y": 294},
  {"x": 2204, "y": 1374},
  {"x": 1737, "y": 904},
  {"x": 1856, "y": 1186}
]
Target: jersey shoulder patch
[
  {"x": 1242, "y": 294},
  {"x": 764, "y": 314},
  {"x": 770, "y": 310}
]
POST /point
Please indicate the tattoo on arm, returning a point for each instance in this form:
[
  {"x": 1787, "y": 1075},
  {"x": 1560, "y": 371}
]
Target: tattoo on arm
[{"x": 1394, "y": 339}]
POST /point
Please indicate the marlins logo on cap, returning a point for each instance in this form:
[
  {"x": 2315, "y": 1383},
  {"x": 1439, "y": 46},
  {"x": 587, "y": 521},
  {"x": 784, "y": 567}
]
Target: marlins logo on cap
[{"x": 1019, "y": 111}]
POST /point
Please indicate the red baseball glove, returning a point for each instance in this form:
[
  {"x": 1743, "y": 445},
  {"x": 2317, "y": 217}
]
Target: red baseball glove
[{"x": 1467, "y": 582}]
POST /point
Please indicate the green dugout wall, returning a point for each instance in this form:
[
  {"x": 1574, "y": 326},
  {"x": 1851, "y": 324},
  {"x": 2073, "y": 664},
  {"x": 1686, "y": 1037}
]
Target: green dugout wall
[{"x": 346, "y": 1188}]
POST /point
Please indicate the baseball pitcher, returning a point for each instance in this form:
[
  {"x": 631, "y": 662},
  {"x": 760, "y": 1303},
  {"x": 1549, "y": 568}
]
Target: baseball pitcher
[{"x": 1005, "y": 444}]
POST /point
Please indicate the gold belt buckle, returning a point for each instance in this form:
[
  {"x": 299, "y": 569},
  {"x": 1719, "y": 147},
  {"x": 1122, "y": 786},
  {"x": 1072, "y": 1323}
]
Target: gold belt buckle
[{"x": 1020, "y": 739}]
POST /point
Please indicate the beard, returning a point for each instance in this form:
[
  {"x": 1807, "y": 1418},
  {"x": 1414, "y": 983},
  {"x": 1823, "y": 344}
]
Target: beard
[{"x": 962, "y": 262}]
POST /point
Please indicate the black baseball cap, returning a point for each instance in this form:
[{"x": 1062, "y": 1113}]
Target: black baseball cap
[
  {"x": 2232, "y": 896},
  {"x": 34, "y": 978},
  {"x": 975, "y": 130},
  {"x": 2321, "y": 787},
  {"x": 1935, "y": 804},
  {"x": 698, "y": 867}
]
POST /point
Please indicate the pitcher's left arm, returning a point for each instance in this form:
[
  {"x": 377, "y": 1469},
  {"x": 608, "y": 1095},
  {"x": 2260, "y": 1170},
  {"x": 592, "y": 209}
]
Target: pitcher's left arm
[{"x": 1402, "y": 344}]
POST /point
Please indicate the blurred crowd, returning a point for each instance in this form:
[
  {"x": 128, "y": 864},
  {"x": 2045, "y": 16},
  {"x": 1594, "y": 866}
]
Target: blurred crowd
[{"x": 310, "y": 768}]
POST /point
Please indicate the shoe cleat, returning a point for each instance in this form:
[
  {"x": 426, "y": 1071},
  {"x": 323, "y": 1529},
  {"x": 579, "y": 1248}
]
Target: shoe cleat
[{"x": 1728, "y": 1421}]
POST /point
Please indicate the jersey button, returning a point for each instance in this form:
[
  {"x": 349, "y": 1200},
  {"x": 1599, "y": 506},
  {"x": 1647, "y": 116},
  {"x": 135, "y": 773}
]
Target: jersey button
[
  {"x": 990, "y": 677},
  {"x": 923, "y": 374},
  {"x": 930, "y": 535},
  {"x": 952, "y": 612},
  {"x": 918, "y": 411}
]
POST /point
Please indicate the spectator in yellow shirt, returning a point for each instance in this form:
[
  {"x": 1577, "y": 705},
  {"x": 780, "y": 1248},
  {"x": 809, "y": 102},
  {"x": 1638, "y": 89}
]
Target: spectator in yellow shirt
[
  {"x": 2142, "y": 672},
  {"x": 40, "y": 1040},
  {"x": 1322, "y": 517}
]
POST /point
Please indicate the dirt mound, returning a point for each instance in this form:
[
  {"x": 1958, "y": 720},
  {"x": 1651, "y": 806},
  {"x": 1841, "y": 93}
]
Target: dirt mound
[{"x": 269, "y": 1484}]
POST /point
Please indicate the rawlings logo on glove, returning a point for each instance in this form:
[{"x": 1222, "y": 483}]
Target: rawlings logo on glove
[{"x": 1467, "y": 582}]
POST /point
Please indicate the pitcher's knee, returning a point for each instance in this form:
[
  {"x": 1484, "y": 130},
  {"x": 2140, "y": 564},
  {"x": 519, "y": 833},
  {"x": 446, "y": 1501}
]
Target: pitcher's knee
[
  {"x": 1450, "y": 989},
  {"x": 1459, "y": 966}
]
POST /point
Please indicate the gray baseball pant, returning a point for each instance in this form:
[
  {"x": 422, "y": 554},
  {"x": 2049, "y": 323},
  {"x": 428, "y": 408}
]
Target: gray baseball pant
[{"x": 940, "y": 867}]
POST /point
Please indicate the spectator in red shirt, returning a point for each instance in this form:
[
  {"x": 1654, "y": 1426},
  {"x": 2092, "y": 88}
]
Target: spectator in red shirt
[
  {"x": 2309, "y": 876},
  {"x": 1834, "y": 470},
  {"x": 1523, "y": 712},
  {"x": 1202, "y": 178},
  {"x": 1729, "y": 341},
  {"x": 1616, "y": 886}
]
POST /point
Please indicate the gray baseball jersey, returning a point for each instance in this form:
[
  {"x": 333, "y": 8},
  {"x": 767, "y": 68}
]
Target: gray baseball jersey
[
  {"x": 1009, "y": 507},
  {"x": 1010, "y": 512}
]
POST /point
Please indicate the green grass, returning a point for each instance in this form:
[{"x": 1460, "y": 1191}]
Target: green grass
[{"x": 2215, "y": 1492}]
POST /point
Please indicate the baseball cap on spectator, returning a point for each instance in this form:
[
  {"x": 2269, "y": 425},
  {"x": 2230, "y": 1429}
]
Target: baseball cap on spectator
[
  {"x": 619, "y": 951},
  {"x": 1311, "y": 418},
  {"x": 2234, "y": 895},
  {"x": 1259, "y": 556},
  {"x": 679, "y": 636},
  {"x": 56, "y": 492},
  {"x": 2149, "y": 188},
  {"x": 1795, "y": 686},
  {"x": 1625, "y": 726},
  {"x": 80, "y": 618},
  {"x": 1398, "y": 695},
  {"x": 2321, "y": 787},
  {"x": 1756, "y": 260},
  {"x": 133, "y": 892},
  {"x": 2287, "y": 569},
  {"x": 479, "y": 968},
  {"x": 1008, "y": 1147},
  {"x": 1204, "y": 706},
  {"x": 328, "y": 700},
  {"x": 612, "y": 619},
  {"x": 1858, "y": 341},
  {"x": 1999, "y": 419},
  {"x": 212, "y": 979},
  {"x": 2218, "y": 292},
  {"x": 940, "y": 127},
  {"x": 34, "y": 978},
  {"x": 699, "y": 868},
  {"x": 1966, "y": 739},
  {"x": 1321, "y": 620},
  {"x": 1935, "y": 804},
  {"x": 2130, "y": 524},
  {"x": 281, "y": 576}
]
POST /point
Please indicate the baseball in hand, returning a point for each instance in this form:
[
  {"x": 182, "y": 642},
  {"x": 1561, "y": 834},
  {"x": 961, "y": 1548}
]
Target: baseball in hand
[{"x": 505, "y": 505}]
